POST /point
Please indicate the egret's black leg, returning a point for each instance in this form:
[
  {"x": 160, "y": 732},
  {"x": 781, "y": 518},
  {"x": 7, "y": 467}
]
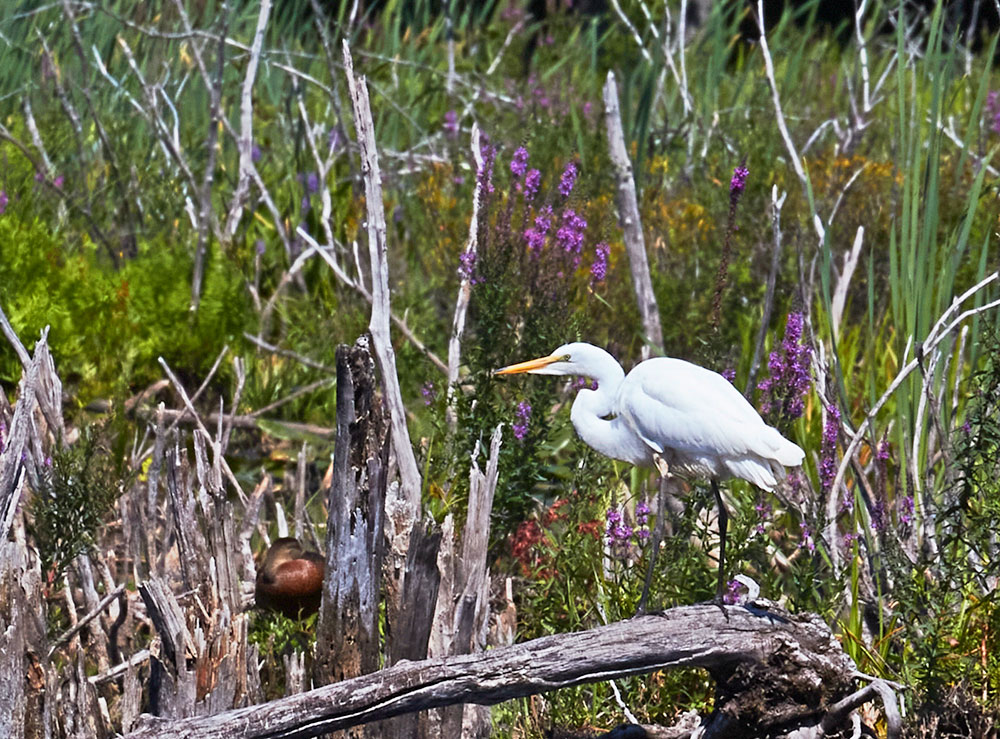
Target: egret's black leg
[
  {"x": 723, "y": 523},
  {"x": 656, "y": 539}
]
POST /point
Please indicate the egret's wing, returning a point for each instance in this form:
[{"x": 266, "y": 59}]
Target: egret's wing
[{"x": 676, "y": 405}]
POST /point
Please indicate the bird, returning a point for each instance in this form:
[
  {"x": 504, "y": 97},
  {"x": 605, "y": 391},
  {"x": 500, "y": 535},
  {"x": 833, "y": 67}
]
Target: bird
[
  {"x": 290, "y": 580},
  {"x": 673, "y": 415}
]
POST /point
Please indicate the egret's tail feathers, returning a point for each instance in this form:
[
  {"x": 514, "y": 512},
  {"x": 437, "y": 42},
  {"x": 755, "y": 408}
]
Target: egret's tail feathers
[
  {"x": 762, "y": 473},
  {"x": 789, "y": 454},
  {"x": 781, "y": 450},
  {"x": 765, "y": 470}
]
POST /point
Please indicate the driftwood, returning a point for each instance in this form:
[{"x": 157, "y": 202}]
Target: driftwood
[{"x": 777, "y": 674}]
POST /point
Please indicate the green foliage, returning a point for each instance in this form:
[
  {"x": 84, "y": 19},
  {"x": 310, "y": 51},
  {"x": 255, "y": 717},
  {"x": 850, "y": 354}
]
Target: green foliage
[
  {"x": 77, "y": 489},
  {"x": 951, "y": 619},
  {"x": 131, "y": 316},
  {"x": 277, "y": 636}
]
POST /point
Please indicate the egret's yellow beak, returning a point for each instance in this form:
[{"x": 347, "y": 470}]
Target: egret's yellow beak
[{"x": 529, "y": 366}]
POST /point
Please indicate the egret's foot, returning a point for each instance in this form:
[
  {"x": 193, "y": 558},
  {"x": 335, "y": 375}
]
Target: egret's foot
[{"x": 661, "y": 465}]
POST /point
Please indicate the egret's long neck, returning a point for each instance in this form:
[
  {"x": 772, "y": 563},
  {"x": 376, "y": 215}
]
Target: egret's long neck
[{"x": 609, "y": 436}]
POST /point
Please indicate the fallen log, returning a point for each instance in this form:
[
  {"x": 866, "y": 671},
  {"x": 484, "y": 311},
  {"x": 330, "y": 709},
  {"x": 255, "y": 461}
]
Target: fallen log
[{"x": 777, "y": 673}]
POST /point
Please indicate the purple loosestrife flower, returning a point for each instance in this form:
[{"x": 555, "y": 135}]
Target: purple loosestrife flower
[
  {"x": 531, "y": 182},
  {"x": 642, "y": 512},
  {"x": 785, "y": 390},
  {"x": 467, "y": 266},
  {"x": 993, "y": 110},
  {"x": 519, "y": 163},
  {"x": 828, "y": 452},
  {"x": 568, "y": 179},
  {"x": 906, "y": 510},
  {"x": 255, "y": 153},
  {"x": 523, "y": 415},
  {"x": 733, "y": 591},
  {"x": 599, "y": 269},
  {"x": 570, "y": 234},
  {"x": 806, "y": 542},
  {"x": 730, "y": 374},
  {"x": 3, "y": 202},
  {"x": 739, "y": 181},
  {"x": 427, "y": 391},
  {"x": 485, "y": 174},
  {"x": 450, "y": 124},
  {"x": 763, "y": 509},
  {"x": 312, "y": 182},
  {"x": 260, "y": 247},
  {"x": 535, "y": 236},
  {"x": 614, "y": 519}
]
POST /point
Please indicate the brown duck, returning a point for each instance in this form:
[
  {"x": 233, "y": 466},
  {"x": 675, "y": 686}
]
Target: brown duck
[{"x": 290, "y": 580}]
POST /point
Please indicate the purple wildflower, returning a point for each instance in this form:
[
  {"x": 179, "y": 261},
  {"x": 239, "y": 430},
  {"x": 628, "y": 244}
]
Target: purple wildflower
[
  {"x": 531, "y": 183},
  {"x": 3, "y": 202},
  {"x": 485, "y": 174},
  {"x": 312, "y": 182},
  {"x": 642, "y": 512},
  {"x": 523, "y": 414},
  {"x": 966, "y": 427},
  {"x": 828, "y": 452},
  {"x": 568, "y": 179},
  {"x": 583, "y": 383},
  {"x": 734, "y": 589},
  {"x": 806, "y": 542},
  {"x": 535, "y": 235},
  {"x": 739, "y": 181},
  {"x": 763, "y": 509},
  {"x": 729, "y": 373},
  {"x": 614, "y": 519},
  {"x": 451, "y": 123},
  {"x": 519, "y": 163},
  {"x": 260, "y": 247},
  {"x": 599, "y": 269},
  {"x": 305, "y": 205},
  {"x": 570, "y": 234},
  {"x": 255, "y": 153},
  {"x": 39, "y": 176},
  {"x": 879, "y": 513},
  {"x": 849, "y": 539},
  {"x": 993, "y": 110},
  {"x": 467, "y": 266},
  {"x": 428, "y": 393},
  {"x": 784, "y": 391},
  {"x": 906, "y": 510}
]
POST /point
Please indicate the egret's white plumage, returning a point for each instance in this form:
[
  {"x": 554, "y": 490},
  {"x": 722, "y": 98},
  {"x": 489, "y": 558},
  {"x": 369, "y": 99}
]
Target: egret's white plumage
[{"x": 690, "y": 417}]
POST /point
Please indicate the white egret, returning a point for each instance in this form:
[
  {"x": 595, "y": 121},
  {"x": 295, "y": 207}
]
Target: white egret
[{"x": 674, "y": 415}]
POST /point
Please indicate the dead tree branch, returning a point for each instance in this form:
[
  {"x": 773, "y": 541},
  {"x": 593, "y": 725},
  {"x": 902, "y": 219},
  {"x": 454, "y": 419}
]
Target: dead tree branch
[{"x": 776, "y": 673}]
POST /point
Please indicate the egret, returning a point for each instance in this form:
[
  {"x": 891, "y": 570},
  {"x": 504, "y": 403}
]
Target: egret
[{"x": 673, "y": 415}]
